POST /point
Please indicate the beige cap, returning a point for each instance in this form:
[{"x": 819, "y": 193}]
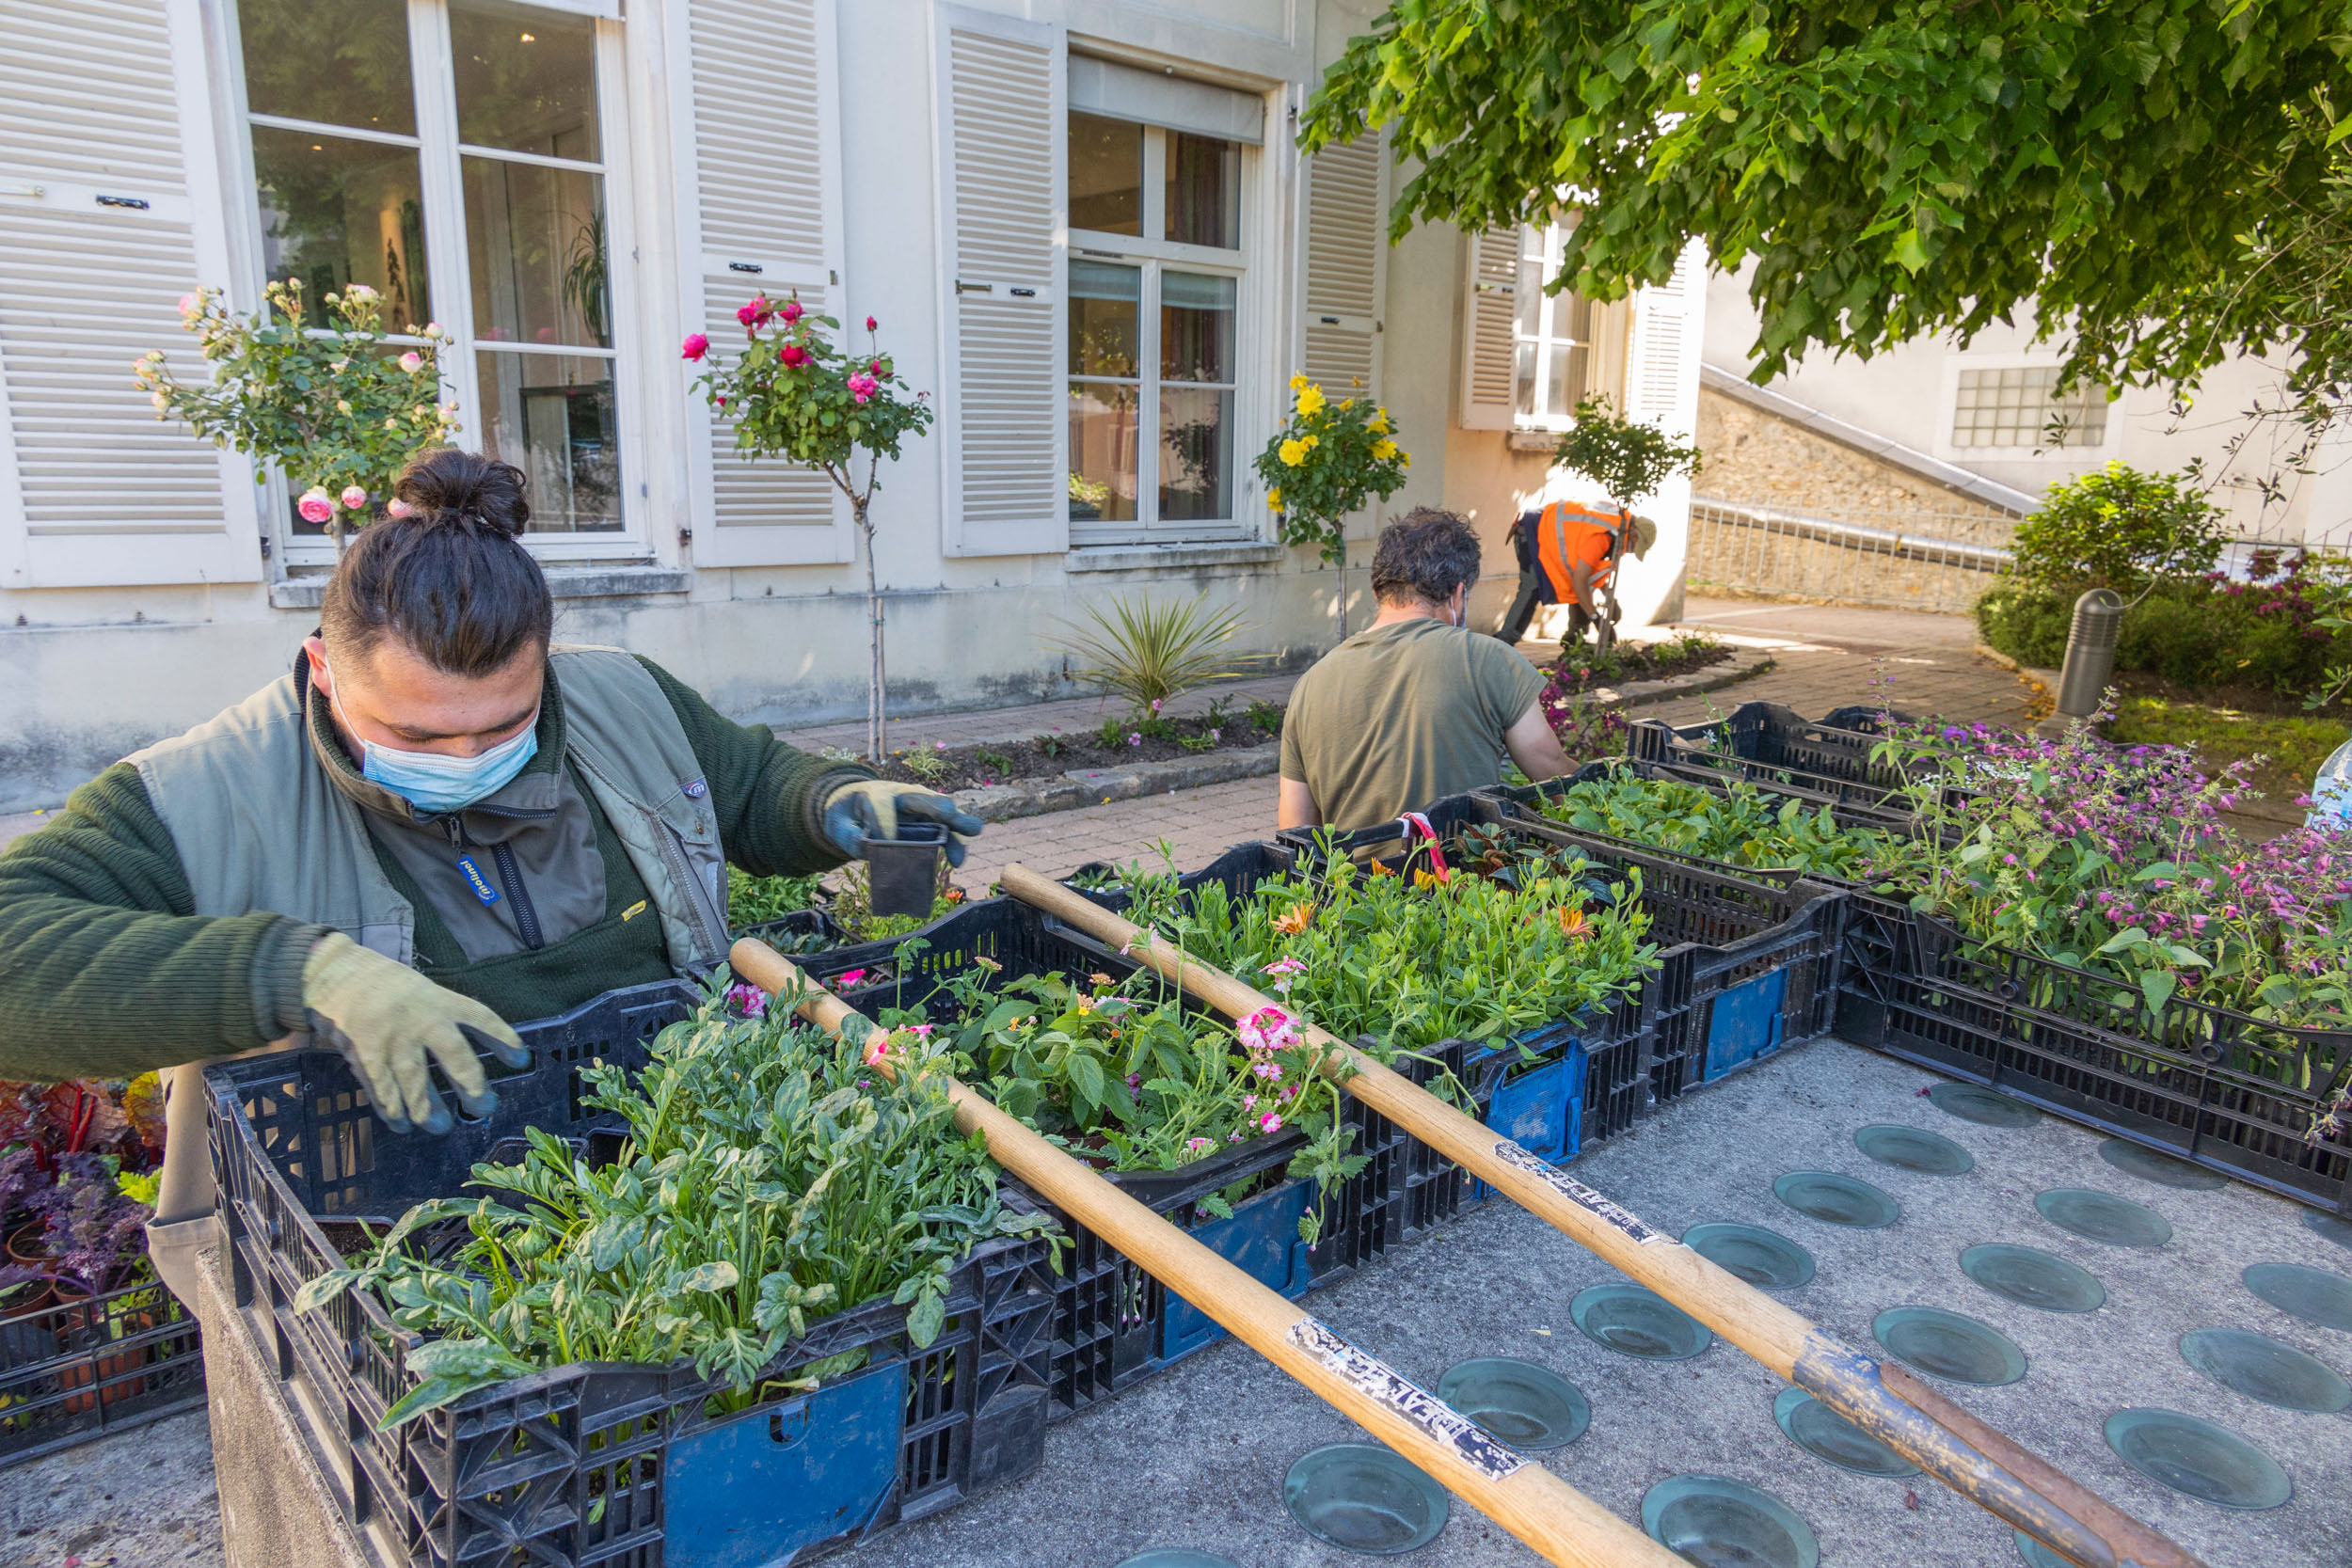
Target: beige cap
[{"x": 1644, "y": 535}]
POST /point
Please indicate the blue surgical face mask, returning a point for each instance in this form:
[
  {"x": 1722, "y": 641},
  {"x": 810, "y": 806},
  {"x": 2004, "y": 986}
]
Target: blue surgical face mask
[{"x": 433, "y": 782}]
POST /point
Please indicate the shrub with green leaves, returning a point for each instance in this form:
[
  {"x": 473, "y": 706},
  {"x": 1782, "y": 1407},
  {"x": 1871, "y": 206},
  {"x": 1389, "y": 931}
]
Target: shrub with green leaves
[
  {"x": 1630, "y": 459},
  {"x": 770, "y": 1177},
  {"x": 1739, "y": 825},
  {"x": 2119, "y": 528}
]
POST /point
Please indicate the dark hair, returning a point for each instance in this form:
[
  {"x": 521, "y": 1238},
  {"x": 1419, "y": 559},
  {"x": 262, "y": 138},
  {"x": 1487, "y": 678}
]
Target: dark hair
[
  {"x": 1427, "y": 554},
  {"x": 446, "y": 572}
]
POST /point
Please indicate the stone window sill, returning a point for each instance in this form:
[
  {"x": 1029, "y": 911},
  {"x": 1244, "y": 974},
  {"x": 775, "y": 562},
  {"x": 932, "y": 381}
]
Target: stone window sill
[
  {"x": 1162, "y": 557},
  {"x": 565, "y": 582}
]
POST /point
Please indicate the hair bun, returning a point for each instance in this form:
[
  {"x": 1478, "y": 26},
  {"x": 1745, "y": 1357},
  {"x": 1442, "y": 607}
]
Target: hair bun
[{"x": 448, "y": 485}]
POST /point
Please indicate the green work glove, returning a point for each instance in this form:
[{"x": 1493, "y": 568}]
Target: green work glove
[
  {"x": 390, "y": 1023},
  {"x": 870, "y": 808}
]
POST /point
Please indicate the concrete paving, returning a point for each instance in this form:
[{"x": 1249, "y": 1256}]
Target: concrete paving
[{"x": 1196, "y": 1458}]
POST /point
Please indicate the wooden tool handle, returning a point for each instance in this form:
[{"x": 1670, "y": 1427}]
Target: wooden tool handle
[
  {"x": 1560, "y": 1523},
  {"x": 2042, "y": 1501}
]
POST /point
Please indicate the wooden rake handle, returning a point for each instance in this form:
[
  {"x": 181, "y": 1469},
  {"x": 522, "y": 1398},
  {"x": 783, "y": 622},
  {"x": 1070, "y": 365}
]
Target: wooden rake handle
[
  {"x": 1562, "y": 1524},
  {"x": 1997, "y": 1474}
]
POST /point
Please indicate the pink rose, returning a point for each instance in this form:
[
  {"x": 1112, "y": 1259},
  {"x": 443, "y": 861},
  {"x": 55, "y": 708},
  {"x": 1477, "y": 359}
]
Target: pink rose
[
  {"x": 353, "y": 497},
  {"x": 756, "y": 314},
  {"x": 398, "y": 507},
  {"x": 191, "y": 304},
  {"x": 791, "y": 311},
  {"x": 316, "y": 506},
  {"x": 869, "y": 323},
  {"x": 793, "y": 354},
  {"x": 412, "y": 361},
  {"x": 863, "y": 387},
  {"x": 696, "y": 346}
]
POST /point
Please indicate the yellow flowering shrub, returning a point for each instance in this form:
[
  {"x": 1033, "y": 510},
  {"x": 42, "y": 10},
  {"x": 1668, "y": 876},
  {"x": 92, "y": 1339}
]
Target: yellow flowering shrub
[{"x": 1328, "y": 460}]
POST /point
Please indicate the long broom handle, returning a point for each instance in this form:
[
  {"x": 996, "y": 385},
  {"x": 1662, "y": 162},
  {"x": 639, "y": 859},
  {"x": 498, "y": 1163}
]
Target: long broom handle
[
  {"x": 1900, "y": 1410},
  {"x": 1560, "y": 1523}
]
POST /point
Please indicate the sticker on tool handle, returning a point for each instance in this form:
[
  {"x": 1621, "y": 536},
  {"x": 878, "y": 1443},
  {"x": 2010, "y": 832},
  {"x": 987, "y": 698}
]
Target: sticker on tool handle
[
  {"x": 1573, "y": 1190},
  {"x": 1468, "y": 1441}
]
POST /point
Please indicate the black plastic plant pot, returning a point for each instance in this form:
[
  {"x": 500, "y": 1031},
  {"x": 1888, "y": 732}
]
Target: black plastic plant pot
[{"x": 903, "y": 872}]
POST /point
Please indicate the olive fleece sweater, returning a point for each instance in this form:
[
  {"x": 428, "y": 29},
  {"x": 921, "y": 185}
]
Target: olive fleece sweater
[{"x": 105, "y": 970}]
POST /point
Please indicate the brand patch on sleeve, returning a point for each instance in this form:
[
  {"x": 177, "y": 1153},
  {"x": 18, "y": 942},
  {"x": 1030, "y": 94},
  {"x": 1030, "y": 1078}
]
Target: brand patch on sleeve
[
  {"x": 694, "y": 789},
  {"x": 632, "y": 911}
]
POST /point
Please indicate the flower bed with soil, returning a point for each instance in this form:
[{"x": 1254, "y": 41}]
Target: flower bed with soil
[{"x": 1116, "y": 742}]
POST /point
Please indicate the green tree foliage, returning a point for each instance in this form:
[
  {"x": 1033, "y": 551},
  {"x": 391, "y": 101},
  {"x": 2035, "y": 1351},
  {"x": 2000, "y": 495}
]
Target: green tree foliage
[
  {"x": 1627, "y": 458},
  {"x": 2118, "y": 528},
  {"x": 2160, "y": 179}
]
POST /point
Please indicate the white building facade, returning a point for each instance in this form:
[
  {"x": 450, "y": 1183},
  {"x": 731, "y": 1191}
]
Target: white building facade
[{"x": 1082, "y": 225}]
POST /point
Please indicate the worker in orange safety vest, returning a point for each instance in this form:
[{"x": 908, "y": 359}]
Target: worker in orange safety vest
[{"x": 1569, "y": 554}]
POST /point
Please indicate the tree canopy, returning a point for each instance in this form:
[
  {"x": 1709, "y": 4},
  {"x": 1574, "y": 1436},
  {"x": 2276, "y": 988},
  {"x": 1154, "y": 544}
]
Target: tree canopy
[{"x": 2161, "y": 180}]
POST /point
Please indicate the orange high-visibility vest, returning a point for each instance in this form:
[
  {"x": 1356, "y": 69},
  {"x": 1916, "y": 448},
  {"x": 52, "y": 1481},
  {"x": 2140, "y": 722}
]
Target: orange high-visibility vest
[{"x": 1569, "y": 531}]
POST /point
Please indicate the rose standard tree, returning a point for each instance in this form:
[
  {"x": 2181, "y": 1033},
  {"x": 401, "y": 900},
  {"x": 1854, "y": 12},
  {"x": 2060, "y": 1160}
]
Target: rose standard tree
[
  {"x": 1329, "y": 459},
  {"x": 793, "y": 394},
  {"x": 333, "y": 407}
]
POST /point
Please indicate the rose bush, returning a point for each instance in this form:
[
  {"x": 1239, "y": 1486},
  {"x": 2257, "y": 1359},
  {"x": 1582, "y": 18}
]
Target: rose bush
[
  {"x": 326, "y": 404},
  {"x": 1326, "y": 461}
]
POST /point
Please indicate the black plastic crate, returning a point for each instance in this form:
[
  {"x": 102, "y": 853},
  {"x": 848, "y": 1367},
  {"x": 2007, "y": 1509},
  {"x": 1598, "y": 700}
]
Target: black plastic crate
[
  {"x": 1238, "y": 868},
  {"x": 2209, "y": 1085},
  {"x": 576, "y": 1466},
  {"x": 909, "y": 972},
  {"x": 1768, "y": 743},
  {"x": 810, "y": 930},
  {"x": 77, "y": 1370}
]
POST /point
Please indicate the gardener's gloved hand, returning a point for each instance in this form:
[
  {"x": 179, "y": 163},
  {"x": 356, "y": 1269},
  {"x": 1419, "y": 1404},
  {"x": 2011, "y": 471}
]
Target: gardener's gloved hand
[
  {"x": 870, "y": 808},
  {"x": 387, "y": 1020}
]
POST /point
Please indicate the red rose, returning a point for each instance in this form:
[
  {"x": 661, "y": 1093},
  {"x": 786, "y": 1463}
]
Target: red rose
[
  {"x": 793, "y": 354},
  {"x": 869, "y": 323}
]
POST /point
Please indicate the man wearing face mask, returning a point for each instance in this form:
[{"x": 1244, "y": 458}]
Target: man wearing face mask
[
  {"x": 1415, "y": 707},
  {"x": 435, "y": 825}
]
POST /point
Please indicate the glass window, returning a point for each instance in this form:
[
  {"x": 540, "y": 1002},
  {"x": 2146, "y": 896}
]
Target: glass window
[
  {"x": 332, "y": 62},
  {"x": 526, "y": 233},
  {"x": 526, "y": 79},
  {"x": 1105, "y": 390},
  {"x": 1567, "y": 348},
  {"x": 1196, "y": 396},
  {"x": 2018, "y": 405},
  {"x": 551, "y": 416},
  {"x": 335, "y": 210},
  {"x": 1105, "y": 175},
  {"x": 1203, "y": 191}
]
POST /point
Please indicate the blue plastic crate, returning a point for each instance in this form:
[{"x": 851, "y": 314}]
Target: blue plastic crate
[
  {"x": 1260, "y": 1239},
  {"x": 771, "y": 1483},
  {"x": 1747, "y": 1025}
]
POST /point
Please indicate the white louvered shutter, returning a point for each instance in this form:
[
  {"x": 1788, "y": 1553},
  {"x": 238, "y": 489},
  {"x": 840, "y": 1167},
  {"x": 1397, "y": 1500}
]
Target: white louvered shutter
[
  {"x": 759, "y": 178},
  {"x": 1490, "y": 292},
  {"x": 999, "y": 87},
  {"x": 110, "y": 210},
  {"x": 1347, "y": 267},
  {"x": 1662, "y": 363}
]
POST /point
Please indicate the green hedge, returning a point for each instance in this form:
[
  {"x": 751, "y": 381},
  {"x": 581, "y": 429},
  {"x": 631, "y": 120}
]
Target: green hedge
[{"x": 2195, "y": 631}]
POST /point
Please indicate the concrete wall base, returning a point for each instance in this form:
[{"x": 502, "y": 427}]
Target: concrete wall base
[{"x": 277, "y": 1509}]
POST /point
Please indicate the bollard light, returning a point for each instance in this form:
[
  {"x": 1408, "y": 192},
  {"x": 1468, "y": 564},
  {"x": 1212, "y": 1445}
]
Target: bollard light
[{"x": 2089, "y": 653}]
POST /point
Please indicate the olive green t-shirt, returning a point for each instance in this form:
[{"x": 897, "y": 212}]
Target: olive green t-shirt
[{"x": 1400, "y": 715}]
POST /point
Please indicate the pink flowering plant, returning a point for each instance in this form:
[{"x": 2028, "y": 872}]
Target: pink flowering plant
[
  {"x": 336, "y": 405},
  {"x": 794, "y": 393}
]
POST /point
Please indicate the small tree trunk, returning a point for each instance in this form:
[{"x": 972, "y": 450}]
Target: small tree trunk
[
  {"x": 876, "y": 736},
  {"x": 1340, "y": 608}
]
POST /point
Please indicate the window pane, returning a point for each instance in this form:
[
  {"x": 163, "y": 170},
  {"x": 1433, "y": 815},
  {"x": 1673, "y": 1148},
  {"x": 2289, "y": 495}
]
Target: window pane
[
  {"x": 1195, "y": 454},
  {"x": 1203, "y": 191},
  {"x": 534, "y": 240},
  {"x": 1105, "y": 175},
  {"x": 553, "y": 417},
  {"x": 335, "y": 211},
  {"x": 1106, "y": 306},
  {"x": 1567, "y": 376},
  {"x": 1102, "y": 451},
  {"x": 342, "y": 62},
  {"x": 526, "y": 79},
  {"x": 1523, "y": 376},
  {"x": 1196, "y": 328}
]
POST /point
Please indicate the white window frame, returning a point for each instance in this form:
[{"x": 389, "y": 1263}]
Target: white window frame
[
  {"x": 442, "y": 190},
  {"x": 1153, "y": 255},
  {"x": 1554, "y": 237},
  {"x": 1948, "y": 408}
]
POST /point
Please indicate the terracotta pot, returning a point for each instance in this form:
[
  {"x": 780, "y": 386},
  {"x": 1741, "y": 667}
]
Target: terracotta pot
[{"x": 57, "y": 1318}]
